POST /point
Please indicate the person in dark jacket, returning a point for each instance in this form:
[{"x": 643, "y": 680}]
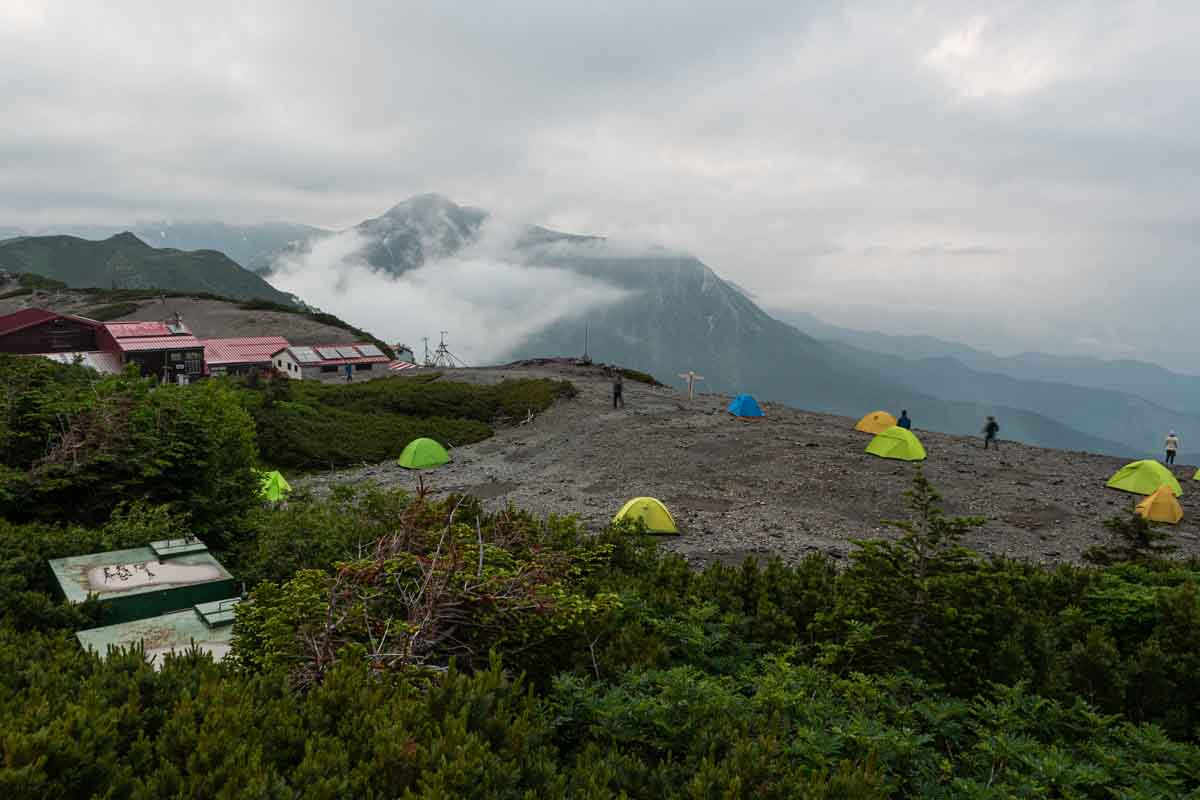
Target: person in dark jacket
[
  {"x": 989, "y": 433},
  {"x": 904, "y": 421},
  {"x": 618, "y": 389}
]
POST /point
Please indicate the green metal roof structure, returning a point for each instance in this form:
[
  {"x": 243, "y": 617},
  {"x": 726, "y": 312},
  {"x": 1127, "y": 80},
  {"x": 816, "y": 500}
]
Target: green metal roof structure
[
  {"x": 207, "y": 626},
  {"x": 145, "y": 581}
]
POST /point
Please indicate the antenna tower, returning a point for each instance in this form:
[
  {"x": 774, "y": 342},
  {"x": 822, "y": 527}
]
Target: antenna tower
[
  {"x": 428, "y": 360},
  {"x": 442, "y": 357}
]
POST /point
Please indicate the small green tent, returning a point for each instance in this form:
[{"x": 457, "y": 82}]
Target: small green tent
[
  {"x": 274, "y": 486},
  {"x": 1143, "y": 477},
  {"x": 898, "y": 443},
  {"x": 423, "y": 454}
]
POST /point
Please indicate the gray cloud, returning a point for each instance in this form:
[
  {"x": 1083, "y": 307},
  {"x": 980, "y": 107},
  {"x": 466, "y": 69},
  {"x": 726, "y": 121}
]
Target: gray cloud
[{"x": 1019, "y": 175}]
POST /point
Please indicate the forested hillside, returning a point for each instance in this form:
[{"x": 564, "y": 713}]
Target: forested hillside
[{"x": 413, "y": 644}]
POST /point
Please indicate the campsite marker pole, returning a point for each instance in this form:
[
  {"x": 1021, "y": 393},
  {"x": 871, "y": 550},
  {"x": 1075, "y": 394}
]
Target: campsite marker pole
[{"x": 691, "y": 378}]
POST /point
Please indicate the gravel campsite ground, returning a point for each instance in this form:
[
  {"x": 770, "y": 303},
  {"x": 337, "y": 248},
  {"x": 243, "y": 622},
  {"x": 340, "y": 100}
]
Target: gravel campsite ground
[{"x": 788, "y": 484}]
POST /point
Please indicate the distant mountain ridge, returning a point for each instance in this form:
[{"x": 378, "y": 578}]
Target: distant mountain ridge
[
  {"x": 124, "y": 261},
  {"x": 245, "y": 244},
  {"x": 1155, "y": 383}
]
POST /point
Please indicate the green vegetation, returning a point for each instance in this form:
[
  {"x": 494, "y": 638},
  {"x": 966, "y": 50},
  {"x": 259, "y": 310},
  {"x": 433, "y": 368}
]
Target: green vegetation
[
  {"x": 319, "y": 316},
  {"x": 112, "y": 311},
  {"x": 638, "y": 377},
  {"x": 73, "y": 447},
  {"x": 415, "y": 645},
  {"x": 309, "y": 425},
  {"x": 28, "y": 280}
]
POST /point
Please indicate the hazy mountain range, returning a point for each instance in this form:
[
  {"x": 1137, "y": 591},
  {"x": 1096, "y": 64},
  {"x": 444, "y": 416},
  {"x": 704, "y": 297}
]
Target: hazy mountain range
[{"x": 678, "y": 314}]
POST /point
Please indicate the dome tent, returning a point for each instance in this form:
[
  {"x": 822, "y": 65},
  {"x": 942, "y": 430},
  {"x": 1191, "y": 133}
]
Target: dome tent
[
  {"x": 745, "y": 406},
  {"x": 651, "y": 512},
  {"x": 1144, "y": 477},
  {"x": 423, "y": 453},
  {"x": 274, "y": 486},
  {"x": 875, "y": 422},
  {"x": 1161, "y": 506},
  {"x": 898, "y": 443}
]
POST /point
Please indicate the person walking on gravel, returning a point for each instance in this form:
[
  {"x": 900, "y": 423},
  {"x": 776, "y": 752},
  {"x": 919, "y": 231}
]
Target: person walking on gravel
[
  {"x": 1172, "y": 445},
  {"x": 618, "y": 387},
  {"x": 989, "y": 433}
]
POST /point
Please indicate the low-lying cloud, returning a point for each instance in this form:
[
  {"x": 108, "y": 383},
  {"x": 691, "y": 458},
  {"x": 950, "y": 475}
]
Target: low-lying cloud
[{"x": 486, "y": 300}]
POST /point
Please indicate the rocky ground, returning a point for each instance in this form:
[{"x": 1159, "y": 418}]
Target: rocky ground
[{"x": 788, "y": 484}]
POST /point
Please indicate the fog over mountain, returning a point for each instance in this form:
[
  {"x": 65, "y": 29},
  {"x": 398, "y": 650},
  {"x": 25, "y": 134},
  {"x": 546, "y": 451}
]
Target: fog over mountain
[
  {"x": 1018, "y": 177},
  {"x": 504, "y": 290}
]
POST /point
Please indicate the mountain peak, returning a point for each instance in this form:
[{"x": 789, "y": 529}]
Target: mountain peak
[
  {"x": 127, "y": 239},
  {"x": 422, "y": 203}
]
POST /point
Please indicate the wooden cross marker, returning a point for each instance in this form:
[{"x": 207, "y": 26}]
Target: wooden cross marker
[{"x": 691, "y": 378}]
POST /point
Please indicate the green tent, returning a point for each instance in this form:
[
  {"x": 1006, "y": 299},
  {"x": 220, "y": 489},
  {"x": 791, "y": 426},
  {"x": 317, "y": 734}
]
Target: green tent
[
  {"x": 423, "y": 454},
  {"x": 1143, "y": 477},
  {"x": 898, "y": 443},
  {"x": 274, "y": 486}
]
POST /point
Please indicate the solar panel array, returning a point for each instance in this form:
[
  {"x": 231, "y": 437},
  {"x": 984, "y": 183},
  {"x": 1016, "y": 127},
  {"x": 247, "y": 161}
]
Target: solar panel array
[
  {"x": 305, "y": 355},
  {"x": 369, "y": 350},
  {"x": 348, "y": 352},
  {"x": 329, "y": 352}
]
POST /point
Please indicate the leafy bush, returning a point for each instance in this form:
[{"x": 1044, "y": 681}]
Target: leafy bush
[
  {"x": 76, "y": 446},
  {"x": 311, "y": 425},
  {"x": 112, "y": 311}
]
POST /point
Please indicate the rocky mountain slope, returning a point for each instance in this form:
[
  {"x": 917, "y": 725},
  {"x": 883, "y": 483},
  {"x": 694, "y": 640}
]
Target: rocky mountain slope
[
  {"x": 788, "y": 484},
  {"x": 126, "y": 262}
]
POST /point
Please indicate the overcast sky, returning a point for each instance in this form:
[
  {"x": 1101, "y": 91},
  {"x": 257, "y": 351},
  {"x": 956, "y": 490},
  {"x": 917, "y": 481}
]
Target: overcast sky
[{"x": 1014, "y": 175}]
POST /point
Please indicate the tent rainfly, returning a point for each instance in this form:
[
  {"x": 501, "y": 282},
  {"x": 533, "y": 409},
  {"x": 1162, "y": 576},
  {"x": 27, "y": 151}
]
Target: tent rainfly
[
  {"x": 745, "y": 406},
  {"x": 876, "y": 422},
  {"x": 1144, "y": 477},
  {"x": 1161, "y": 506},
  {"x": 423, "y": 454},
  {"x": 898, "y": 443},
  {"x": 274, "y": 486},
  {"x": 651, "y": 512}
]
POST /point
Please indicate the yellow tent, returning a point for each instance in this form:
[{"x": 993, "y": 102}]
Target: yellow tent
[
  {"x": 1161, "y": 506},
  {"x": 875, "y": 422},
  {"x": 651, "y": 512}
]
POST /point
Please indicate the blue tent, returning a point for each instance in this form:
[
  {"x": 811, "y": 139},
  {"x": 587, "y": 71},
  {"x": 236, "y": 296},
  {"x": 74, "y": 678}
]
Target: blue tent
[{"x": 745, "y": 406}]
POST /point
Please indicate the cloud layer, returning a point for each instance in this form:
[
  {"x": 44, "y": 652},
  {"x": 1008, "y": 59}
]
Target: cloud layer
[
  {"x": 1017, "y": 174},
  {"x": 485, "y": 299}
]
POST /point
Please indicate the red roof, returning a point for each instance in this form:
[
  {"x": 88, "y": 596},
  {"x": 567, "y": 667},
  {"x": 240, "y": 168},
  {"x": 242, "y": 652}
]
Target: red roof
[
  {"x": 28, "y": 317},
  {"x": 187, "y": 342},
  {"x": 125, "y": 330},
  {"x": 244, "y": 350}
]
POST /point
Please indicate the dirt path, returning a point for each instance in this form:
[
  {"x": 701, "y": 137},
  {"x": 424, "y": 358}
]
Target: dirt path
[{"x": 788, "y": 484}]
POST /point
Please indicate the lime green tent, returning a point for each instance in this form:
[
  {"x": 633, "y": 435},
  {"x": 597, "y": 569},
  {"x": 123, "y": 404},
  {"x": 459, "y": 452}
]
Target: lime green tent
[
  {"x": 423, "y": 454},
  {"x": 651, "y": 512},
  {"x": 1143, "y": 477},
  {"x": 273, "y": 486},
  {"x": 899, "y": 443}
]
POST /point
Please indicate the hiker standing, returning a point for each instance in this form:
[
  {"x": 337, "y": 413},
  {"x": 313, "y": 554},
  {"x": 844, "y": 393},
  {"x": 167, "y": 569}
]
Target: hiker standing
[
  {"x": 904, "y": 421},
  {"x": 989, "y": 433},
  {"x": 618, "y": 386},
  {"x": 1172, "y": 445}
]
